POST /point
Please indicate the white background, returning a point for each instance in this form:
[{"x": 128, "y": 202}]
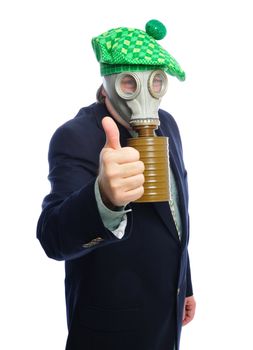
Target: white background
[{"x": 48, "y": 72}]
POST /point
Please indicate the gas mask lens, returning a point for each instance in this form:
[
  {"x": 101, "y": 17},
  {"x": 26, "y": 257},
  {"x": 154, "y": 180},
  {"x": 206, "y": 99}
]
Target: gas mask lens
[
  {"x": 157, "y": 83},
  {"x": 127, "y": 85}
]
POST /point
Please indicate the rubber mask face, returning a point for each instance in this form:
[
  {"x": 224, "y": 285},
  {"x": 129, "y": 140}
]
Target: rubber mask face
[{"x": 136, "y": 96}]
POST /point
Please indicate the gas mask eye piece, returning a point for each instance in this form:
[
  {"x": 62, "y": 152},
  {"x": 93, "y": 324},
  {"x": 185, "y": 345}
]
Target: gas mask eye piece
[
  {"x": 127, "y": 85},
  {"x": 157, "y": 83}
]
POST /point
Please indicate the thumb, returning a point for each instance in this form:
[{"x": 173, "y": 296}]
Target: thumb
[{"x": 112, "y": 133}]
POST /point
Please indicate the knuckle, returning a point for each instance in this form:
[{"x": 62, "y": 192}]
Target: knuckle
[
  {"x": 110, "y": 173},
  {"x": 139, "y": 180},
  {"x": 141, "y": 190},
  {"x": 106, "y": 157},
  {"x": 136, "y": 153},
  {"x": 133, "y": 153},
  {"x": 141, "y": 166},
  {"x": 142, "y": 179}
]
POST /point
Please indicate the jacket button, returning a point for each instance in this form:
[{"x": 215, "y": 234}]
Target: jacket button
[{"x": 178, "y": 291}]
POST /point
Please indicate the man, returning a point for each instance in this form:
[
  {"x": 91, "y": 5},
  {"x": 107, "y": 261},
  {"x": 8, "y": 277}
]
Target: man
[{"x": 128, "y": 281}]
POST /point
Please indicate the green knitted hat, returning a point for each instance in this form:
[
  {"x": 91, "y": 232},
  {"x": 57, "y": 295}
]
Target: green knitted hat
[{"x": 127, "y": 49}]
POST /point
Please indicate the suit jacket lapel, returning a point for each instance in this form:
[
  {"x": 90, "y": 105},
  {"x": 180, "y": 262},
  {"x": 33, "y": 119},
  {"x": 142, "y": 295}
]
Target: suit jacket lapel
[{"x": 163, "y": 208}]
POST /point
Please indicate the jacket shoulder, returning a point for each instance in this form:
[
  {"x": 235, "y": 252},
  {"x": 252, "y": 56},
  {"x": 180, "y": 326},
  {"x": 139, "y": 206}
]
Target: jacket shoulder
[
  {"x": 168, "y": 121},
  {"x": 78, "y": 124},
  {"x": 79, "y": 133}
]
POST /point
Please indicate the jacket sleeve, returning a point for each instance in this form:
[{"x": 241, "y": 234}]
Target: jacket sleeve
[
  {"x": 70, "y": 225},
  {"x": 189, "y": 290}
]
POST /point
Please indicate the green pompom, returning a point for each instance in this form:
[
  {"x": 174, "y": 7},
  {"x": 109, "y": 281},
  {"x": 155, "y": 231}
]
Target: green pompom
[{"x": 156, "y": 29}]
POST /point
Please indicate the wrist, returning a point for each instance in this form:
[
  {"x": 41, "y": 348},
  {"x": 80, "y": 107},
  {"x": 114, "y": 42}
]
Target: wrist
[{"x": 106, "y": 201}]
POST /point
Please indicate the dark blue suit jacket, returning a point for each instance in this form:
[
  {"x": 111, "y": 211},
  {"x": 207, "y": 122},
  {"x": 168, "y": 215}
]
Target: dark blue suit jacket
[{"x": 120, "y": 294}]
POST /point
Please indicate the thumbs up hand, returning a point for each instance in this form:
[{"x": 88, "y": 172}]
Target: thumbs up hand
[{"x": 120, "y": 176}]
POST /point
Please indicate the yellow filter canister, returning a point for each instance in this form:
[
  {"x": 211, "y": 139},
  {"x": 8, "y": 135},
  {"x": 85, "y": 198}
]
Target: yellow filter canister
[{"x": 154, "y": 154}]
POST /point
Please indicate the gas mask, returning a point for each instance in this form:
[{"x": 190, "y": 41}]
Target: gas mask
[{"x": 136, "y": 96}]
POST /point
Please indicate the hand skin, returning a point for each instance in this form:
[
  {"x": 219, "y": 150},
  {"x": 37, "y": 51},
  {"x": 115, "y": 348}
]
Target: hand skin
[
  {"x": 189, "y": 310},
  {"x": 120, "y": 175}
]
